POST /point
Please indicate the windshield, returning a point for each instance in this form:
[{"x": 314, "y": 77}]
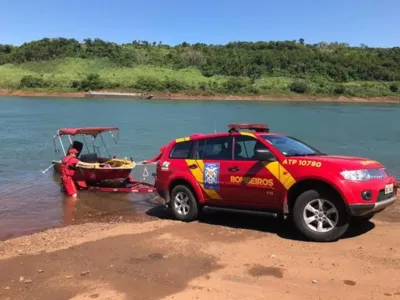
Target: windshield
[{"x": 290, "y": 146}]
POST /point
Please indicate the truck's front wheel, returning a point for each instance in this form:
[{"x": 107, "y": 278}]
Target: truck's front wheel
[{"x": 320, "y": 217}]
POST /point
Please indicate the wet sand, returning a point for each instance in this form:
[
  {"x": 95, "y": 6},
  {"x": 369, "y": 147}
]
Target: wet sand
[
  {"x": 180, "y": 96},
  {"x": 223, "y": 256}
]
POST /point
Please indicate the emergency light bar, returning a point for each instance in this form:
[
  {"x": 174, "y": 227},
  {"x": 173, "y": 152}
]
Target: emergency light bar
[{"x": 255, "y": 127}]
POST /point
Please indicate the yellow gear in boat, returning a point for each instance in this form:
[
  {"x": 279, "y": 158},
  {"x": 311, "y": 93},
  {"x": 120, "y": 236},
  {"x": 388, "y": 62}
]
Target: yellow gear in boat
[{"x": 113, "y": 163}]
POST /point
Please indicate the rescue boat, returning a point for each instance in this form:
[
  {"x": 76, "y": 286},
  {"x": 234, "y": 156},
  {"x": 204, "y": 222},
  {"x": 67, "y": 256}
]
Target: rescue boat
[{"x": 94, "y": 166}]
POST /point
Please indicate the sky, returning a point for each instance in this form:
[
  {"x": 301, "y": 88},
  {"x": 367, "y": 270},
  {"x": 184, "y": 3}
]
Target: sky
[{"x": 370, "y": 22}]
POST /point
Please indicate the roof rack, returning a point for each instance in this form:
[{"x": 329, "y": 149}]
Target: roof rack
[{"x": 255, "y": 127}]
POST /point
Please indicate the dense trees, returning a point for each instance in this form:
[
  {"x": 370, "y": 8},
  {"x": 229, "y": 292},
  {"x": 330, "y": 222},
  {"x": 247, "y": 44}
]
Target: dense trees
[
  {"x": 317, "y": 64},
  {"x": 336, "y": 61}
]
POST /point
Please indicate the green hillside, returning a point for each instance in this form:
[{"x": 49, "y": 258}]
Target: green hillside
[{"x": 267, "y": 68}]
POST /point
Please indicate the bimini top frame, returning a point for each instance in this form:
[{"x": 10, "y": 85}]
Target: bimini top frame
[{"x": 92, "y": 132}]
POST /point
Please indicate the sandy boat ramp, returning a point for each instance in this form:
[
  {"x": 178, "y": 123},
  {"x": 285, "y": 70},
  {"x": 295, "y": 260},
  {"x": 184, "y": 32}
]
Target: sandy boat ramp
[{"x": 223, "y": 256}]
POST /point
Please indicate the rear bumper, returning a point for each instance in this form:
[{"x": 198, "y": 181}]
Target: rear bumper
[
  {"x": 359, "y": 210},
  {"x": 161, "y": 191}
]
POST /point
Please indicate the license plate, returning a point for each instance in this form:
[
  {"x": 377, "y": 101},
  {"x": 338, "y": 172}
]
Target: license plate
[{"x": 389, "y": 188}]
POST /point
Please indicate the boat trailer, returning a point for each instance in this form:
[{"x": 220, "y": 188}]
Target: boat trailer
[{"x": 126, "y": 186}]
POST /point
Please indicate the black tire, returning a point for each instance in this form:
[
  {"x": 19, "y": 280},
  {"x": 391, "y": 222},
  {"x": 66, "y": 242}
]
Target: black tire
[
  {"x": 193, "y": 207},
  {"x": 341, "y": 218}
]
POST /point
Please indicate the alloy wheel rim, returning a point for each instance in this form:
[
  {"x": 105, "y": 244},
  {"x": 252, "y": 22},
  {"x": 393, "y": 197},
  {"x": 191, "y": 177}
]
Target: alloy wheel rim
[
  {"x": 181, "y": 203},
  {"x": 320, "y": 215}
]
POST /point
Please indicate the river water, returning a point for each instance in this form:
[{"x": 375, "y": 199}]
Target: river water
[{"x": 31, "y": 200}]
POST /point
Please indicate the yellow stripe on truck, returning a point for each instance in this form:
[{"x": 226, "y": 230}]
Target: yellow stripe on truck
[
  {"x": 284, "y": 177},
  {"x": 248, "y": 134},
  {"x": 198, "y": 174},
  {"x": 279, "y": 171},
  {"x": 184, "y": 139}
]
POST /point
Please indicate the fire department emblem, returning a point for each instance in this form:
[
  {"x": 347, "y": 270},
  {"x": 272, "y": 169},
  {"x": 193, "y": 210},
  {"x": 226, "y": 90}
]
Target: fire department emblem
[{"x": 211, "y": 176}]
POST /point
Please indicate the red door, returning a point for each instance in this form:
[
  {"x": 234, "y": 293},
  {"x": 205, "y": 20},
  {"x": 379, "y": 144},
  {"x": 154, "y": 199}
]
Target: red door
[
  {"x": 250, "y": 183},
  {"x": 210, "y": 166}
]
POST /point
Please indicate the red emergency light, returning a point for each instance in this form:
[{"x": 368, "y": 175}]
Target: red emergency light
[{"x": 250, "y": 126}]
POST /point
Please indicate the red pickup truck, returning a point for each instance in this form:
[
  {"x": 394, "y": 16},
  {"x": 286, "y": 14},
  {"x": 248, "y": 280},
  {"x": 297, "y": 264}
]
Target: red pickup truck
[{"x": 251, "y": 169}]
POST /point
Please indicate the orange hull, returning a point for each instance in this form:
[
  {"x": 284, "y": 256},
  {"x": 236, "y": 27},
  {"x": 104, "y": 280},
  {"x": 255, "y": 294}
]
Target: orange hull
[{"x": 88, "y": 174}]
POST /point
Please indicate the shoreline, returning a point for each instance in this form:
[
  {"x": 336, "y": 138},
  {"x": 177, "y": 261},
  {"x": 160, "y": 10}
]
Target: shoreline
[{"x": 221, "y": 97}]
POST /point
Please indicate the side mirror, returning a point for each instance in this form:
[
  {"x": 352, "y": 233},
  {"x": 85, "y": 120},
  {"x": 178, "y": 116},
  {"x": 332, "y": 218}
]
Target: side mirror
[{"x": 264, "y": 155}]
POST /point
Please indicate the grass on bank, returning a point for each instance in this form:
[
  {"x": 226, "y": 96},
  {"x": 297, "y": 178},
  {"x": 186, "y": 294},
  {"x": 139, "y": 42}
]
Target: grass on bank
[{"x": 75, "y": 74}]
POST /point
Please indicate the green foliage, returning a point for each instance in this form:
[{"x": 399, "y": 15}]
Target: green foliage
[
  {"x": 336, "y": 61},
  {"x": 30, "y": 81},
  {"x": 148, "y": 84},
  {"x": 394, "y": 87},
  {"x": 367, "y": 89},
  {"x": 339, "y": 90},
  {"x": 235, "y": 84},
  {"x": 174, "y": 86},
  {"x": 275, "y": 67},
  {"x": 299, "y": 87},
  {"x": 91, "y": 82}
]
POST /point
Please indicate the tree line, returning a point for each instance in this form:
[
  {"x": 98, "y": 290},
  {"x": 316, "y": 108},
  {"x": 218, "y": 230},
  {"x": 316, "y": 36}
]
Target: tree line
[{"x": 336, "y": 62}]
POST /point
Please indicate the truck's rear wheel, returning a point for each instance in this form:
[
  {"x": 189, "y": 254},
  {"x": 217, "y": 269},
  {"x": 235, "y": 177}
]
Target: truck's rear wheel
[
  {"x": 320, "y": 217},
  {"x": 183, "y": 204}
]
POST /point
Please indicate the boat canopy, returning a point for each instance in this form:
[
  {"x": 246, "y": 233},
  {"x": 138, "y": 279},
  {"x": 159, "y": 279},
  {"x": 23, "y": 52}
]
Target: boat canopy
[{"x": 94, "y": 131}]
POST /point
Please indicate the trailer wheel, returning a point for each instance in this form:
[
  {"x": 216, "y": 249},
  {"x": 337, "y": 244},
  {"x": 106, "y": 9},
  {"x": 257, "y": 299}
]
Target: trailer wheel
[
  {"x": 319, "y": 216},
  {"x": 183, "y": 204}
]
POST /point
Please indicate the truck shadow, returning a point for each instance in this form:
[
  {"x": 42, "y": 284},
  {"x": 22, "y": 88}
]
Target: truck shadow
[{"x": 284, "y": 229}]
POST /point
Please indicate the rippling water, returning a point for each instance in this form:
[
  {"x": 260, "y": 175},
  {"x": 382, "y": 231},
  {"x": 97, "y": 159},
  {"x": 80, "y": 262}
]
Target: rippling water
[{"x": 30, "y": 200}]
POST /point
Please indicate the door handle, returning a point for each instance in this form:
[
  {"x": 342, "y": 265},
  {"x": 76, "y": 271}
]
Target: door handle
[
  {"x": 193, "y": 166},
  {"x": 233, "y": 169}
]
